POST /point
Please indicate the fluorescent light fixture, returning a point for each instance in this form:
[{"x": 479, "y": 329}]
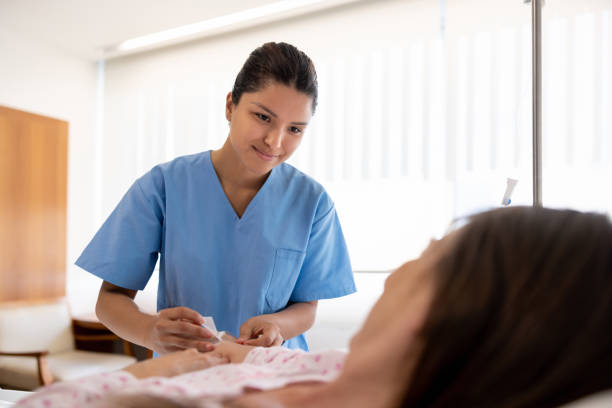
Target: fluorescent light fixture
[{"x": 216, "y": 23}]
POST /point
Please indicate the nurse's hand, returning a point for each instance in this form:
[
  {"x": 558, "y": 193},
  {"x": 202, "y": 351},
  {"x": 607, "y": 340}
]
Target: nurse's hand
[
  {"x": 261, "y": 331},
  {"x": 178, "y": 328}
]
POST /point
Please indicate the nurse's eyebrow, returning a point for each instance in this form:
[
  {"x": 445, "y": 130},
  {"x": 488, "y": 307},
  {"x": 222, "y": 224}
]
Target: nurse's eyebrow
[{"x": 275, "y": 115}]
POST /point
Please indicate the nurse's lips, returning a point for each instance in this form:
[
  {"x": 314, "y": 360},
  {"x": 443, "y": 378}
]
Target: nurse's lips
[{"x": 265, "y": 156}]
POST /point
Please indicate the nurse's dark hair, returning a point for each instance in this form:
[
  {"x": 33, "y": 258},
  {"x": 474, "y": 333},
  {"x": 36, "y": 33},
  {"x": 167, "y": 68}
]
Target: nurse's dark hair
[
  {"x": 277, "y": 62},
  {"x": 521, "y": 314}
]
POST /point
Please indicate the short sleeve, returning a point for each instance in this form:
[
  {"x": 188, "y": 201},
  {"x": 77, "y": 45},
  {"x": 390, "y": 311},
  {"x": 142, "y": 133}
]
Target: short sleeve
[
  {"x": 326, "y": 271},
  {"x": 125, "y": 249}
]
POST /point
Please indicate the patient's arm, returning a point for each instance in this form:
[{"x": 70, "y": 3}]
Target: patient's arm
[
  {"x": 231, "y": 351},
  {"x": 181, "y": 362},
  {"x": 176, "y": 363}
]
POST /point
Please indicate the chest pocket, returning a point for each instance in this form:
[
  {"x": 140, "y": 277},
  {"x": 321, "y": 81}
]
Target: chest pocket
[{"x": 287, "y": 265}]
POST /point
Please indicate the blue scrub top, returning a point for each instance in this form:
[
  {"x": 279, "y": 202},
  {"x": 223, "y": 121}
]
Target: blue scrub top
[{"x": 287, "y": 247}]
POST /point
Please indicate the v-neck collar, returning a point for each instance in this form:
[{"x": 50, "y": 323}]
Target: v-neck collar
[{"x": 253, "y": 201}]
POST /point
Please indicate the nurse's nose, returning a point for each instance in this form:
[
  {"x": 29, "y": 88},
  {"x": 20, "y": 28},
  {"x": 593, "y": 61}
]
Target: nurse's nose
[{"x": 274, "y": 138}]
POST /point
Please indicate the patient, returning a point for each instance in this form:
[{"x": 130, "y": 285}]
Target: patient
[{"x": 512, "y": 310}]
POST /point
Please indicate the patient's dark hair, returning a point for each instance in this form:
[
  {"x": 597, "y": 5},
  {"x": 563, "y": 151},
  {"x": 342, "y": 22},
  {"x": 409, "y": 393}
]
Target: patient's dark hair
[
  {"x": 522, "y": 313},
  {"x": 144, "y": 400},
  {"x": 277, "y": 62}
]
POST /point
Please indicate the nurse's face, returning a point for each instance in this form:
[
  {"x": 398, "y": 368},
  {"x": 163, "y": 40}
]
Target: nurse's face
[{"x": 267, "y": 126}]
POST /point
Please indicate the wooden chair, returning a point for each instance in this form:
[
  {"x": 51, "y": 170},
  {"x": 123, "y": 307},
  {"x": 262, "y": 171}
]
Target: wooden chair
[{"x": 37, "y": 347}]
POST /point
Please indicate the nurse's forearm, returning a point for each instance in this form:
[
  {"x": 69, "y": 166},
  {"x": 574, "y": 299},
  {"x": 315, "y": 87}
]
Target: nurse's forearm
[
  {"x": 117, "y": 310},
  {"x": 296, "y": 318}
]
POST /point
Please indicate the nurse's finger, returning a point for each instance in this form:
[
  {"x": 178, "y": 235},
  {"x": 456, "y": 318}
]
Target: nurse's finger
[
  {"x": 185, "y": 343},
  {"x": 248, "y": 333},
  {"x": 181, "y": 312},
  {"x": 268, "y": 338},
  {"x": 264, "y": 340},
  {"x": 183, "y": 328},
  {"x": 188, "y": 329}
]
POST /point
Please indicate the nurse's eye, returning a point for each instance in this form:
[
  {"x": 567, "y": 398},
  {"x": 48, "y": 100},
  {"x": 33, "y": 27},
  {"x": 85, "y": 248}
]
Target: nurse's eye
[
  {"x": 263, "y": 117},
  {"x": 295, "y": 130}
]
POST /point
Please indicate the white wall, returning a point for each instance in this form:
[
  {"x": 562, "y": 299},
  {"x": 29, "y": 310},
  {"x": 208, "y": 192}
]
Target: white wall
[{"x": 37, "y": 78}]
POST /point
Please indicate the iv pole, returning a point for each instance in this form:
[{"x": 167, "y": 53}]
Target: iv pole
[{"x": 536, "y": 33}]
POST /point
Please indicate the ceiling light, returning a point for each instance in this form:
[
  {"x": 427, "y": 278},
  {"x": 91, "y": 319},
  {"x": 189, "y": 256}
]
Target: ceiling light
[{"x": 215, "y": 24}]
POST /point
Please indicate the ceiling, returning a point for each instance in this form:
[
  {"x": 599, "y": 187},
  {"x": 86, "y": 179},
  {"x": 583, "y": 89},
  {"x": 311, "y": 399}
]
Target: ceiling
[{"x": 84, "y": 27}]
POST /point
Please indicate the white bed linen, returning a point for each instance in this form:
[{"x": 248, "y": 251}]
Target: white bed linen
[
  {"x": 263, "y": 369},
  {"x": 9, "y": 397}
]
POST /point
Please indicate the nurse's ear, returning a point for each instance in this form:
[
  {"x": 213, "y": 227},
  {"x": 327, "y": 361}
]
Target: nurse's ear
[{"x": 229, "y": 107}]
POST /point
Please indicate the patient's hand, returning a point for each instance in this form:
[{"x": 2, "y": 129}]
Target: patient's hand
[
  {"x": 234, "y": 352},
  {"x": 176, "y": 363}
]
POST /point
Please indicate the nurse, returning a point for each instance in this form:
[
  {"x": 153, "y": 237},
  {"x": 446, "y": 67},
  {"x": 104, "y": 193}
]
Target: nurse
[{"x": 240, "y": 235}]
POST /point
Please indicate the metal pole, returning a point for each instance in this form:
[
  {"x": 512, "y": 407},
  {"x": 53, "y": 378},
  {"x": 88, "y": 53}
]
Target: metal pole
[{"x": 536, "y": 30}]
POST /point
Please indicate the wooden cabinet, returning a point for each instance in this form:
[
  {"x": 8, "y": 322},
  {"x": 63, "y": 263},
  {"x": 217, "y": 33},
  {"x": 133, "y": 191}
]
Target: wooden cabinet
[
  {"x": 33, "y": 167},
  {"x": 90, "y": 334}
]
